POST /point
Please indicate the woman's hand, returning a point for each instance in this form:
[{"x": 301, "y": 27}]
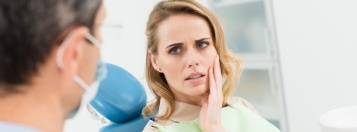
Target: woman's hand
[{"x": 210, "y": 114}]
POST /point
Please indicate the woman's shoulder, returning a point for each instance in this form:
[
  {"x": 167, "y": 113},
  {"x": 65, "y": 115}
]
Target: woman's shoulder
[
  {"x": 150, "y": 127},
  {"x": 242, "y": 116},
  {"x": 235, "y": 99},
  {"x": 155, "y": 125}
]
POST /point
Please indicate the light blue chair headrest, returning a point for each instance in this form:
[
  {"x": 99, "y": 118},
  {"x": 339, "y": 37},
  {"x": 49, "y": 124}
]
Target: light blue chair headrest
[{"x": 120, "y": 96}]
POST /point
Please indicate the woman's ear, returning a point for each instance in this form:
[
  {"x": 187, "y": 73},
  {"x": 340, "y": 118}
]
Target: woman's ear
[{"x": 154, "y": 60}]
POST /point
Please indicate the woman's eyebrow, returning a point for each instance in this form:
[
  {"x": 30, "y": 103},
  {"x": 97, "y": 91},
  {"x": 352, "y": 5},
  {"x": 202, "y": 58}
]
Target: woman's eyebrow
[
  {"x": 174, "y": 44},
  {"x": 180, "y": 43},
  {"x": 200, "y": 40}
]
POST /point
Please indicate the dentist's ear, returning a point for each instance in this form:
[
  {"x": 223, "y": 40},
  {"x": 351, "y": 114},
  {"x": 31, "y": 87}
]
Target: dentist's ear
[{"x": 70, "y": 51}]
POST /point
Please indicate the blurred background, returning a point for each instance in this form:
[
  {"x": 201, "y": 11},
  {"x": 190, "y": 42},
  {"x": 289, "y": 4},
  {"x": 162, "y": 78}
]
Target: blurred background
[{"x": 300, "y": 56}]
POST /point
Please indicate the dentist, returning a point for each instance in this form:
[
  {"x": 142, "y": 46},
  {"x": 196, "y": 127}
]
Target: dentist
[{"x": 49, "y": 61}]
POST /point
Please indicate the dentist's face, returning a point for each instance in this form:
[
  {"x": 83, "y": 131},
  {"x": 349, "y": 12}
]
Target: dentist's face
[
  {"x": 90, "y": 59},
  {"x": 88, "y": 62},
  {"x": 185, "y": 53}
]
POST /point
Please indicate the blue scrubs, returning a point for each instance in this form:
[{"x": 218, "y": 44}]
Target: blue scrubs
[{"x": 15, "y": 127}]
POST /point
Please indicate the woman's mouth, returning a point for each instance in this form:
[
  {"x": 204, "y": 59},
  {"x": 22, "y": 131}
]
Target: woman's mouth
[
  {"x": 195, "y": 75},
  {"x": 195, "y": 78}
]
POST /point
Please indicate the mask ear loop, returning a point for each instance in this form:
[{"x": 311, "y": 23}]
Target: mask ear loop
[
  {"x": 61, "y": 49},
  {"x": 93, "y": 40},
  {"x": 83, "y": 84},
  {"x": 59, "y": 61}
]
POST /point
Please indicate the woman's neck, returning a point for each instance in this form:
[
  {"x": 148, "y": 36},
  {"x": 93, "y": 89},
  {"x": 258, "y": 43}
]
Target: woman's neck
[{"x": 194, "y": 100}]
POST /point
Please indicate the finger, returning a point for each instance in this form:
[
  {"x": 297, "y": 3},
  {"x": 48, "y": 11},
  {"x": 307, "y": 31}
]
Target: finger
[
  {"x": 204, "y": 104},
  {"x": 205, "y": 98},
  {"x": 212, "y": 83},
  {"x": 217, "y": 75}
]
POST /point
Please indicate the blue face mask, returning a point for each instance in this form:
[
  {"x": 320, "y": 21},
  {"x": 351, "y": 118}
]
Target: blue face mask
[{"x": 92, "y": 89}]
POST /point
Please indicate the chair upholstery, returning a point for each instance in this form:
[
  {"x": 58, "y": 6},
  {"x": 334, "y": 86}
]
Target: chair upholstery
[{"x": 120, "y": 99}]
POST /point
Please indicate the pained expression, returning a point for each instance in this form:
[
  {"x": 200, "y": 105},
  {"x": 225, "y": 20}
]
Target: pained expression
[{"x": 185, "y": 53}]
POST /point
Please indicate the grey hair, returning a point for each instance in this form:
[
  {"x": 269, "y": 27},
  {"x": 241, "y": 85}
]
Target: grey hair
[{"x": 29, "y": 29}]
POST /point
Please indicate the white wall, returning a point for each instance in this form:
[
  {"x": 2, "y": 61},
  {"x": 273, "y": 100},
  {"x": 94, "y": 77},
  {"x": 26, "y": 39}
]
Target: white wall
[{"x": 318, "y": 49}]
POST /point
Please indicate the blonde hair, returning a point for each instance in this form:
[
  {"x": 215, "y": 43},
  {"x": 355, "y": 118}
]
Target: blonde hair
[{"x": 230, "y": 64}]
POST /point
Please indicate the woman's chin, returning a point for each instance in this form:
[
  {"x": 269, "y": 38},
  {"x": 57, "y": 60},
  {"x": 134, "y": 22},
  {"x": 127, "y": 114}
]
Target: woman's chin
[{"x": 198, "y": 91}]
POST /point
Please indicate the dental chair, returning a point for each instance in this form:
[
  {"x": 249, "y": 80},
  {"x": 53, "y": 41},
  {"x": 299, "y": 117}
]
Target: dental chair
[{"x": 119, "y": 102}]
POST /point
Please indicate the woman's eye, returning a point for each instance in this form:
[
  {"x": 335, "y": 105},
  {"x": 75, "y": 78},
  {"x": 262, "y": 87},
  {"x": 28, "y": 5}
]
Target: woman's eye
[
  {"x": 175, "y": 50},
  {"x": 202, "y": 45}
]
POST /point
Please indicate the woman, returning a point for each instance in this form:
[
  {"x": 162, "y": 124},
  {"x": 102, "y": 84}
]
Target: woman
[{"x": 192, "y": 73}]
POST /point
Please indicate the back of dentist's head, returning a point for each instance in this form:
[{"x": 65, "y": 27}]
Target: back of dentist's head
[
  {"x": 29, "y": 31},
  {"x": 48, "y": 56}
]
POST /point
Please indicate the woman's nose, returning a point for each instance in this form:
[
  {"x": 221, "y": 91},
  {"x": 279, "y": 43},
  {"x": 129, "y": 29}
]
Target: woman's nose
[
  {"x": 192, "y": 58},
  {"x": 190, "y": 65}
]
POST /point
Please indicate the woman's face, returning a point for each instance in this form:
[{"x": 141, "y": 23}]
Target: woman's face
[{"x": 185, "y": 53}]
